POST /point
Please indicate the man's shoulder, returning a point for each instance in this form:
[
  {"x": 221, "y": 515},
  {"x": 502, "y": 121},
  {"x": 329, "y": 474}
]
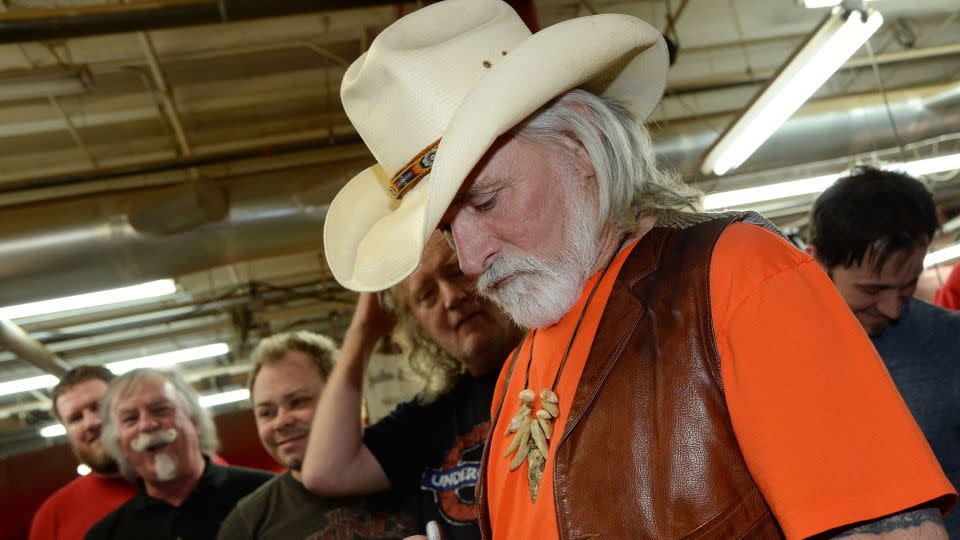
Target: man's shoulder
[
  {"x": 87, "y": 491},
  {"x": 107, "y": 526},
  {"x": 259, "y": 498},
  {"x": 231, "y": 476}
]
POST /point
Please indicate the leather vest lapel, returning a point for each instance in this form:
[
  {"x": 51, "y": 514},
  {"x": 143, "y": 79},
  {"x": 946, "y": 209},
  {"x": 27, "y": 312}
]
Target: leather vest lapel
[{"x": 620, "y": 318}]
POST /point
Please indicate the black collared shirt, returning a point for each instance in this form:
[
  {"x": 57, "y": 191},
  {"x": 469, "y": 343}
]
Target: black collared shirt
[{"x": 198, "y": 517}]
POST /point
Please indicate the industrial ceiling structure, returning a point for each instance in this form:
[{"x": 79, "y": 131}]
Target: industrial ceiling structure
[{"x": 201, "y": 141}]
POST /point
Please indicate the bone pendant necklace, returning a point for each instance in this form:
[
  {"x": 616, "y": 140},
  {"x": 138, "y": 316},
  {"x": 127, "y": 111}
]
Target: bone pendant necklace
[{"x": 531, "y": 433}]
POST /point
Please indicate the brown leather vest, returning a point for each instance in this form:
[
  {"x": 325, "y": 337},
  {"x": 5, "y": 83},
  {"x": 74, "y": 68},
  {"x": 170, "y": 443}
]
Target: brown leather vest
[{"x": 648, "y": 450}]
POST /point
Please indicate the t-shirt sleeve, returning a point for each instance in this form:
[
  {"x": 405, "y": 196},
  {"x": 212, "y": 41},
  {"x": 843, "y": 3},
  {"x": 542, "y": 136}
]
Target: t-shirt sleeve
[
  {"x": 236, "y": 526},
  {"x": 404, "y": 440},
  {"x": 823, "y": 430}
]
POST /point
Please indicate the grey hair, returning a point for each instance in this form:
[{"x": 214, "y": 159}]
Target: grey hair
[
  {"x": 187, "y": 397},
  {"x": 630, "y": 184},
  {"x": 437, "y": 369}
]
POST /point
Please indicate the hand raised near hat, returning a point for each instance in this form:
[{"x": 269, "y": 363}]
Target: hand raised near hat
[{"x": 371, "y": 319}]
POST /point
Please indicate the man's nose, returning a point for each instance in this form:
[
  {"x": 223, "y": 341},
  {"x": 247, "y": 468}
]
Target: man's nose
[
  {"x": 451, "y": 294},
  {"x": 91, "y": 419},
  {"x": 148, "y": 423},
  {"x": 475, "y": 247},
  {"x": 890, "y": 305}
]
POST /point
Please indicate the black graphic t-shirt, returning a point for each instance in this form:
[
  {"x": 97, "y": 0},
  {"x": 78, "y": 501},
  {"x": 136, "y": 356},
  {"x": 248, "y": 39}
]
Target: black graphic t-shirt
[{"x": 435, "y": 449}]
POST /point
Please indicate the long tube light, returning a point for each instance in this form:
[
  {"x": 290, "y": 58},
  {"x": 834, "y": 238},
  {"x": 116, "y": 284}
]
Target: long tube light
[
  {"x": 941, "y": 255},
  {"x": 231, "y": 396},
  {"x": 25, "y": 385},
  {"x": 833, "y": 43},
  {"x": 153, "y": 361},
  {"x": 207, "y": 401},
  {"x": 170, "y": 358},
  {"x": 817, "y": 184},
  {"x": 142, "y": 291}
]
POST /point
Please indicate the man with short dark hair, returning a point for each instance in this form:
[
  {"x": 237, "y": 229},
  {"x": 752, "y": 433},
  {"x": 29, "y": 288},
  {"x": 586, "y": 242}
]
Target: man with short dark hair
[
  {"x": 870, "y": 232},
  {"x": 159, "y": 434},
  {"x": 73, "y": 509},
  {"x": 682, "y": 377},
  {"x": 288, "y": 375}
]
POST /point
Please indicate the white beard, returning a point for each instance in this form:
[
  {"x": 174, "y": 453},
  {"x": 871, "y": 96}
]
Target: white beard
[
  {"x": 165, "y": 467},
  {"x": 543, "y": 290}
]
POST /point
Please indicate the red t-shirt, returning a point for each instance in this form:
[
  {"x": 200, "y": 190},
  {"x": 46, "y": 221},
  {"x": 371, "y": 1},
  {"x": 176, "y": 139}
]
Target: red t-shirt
[
  {"x": 821, "y": 426},
  {"x": 70, "y": 512}
]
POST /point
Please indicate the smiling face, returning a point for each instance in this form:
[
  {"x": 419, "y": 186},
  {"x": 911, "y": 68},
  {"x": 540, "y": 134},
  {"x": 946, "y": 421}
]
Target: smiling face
[
  {"x": 285, "y": 395},
  {"x": 876, "y": 298},
  {"x": 79, "y": 410},
  {"x": 147, "y": 416},
  {"x": 444, "y": 302},
  {"x": 526, "y": 223}
]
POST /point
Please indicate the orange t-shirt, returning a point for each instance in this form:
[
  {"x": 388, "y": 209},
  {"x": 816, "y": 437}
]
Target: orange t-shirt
[{"x": 796, "y": 368}]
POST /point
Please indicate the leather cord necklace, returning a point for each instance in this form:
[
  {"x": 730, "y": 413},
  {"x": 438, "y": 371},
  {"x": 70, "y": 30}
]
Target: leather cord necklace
[{"x": 531, "y": 433}]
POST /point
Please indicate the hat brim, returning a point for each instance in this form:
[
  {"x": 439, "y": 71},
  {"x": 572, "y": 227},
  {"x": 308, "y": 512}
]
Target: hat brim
[{"x": 373, "y": 241}]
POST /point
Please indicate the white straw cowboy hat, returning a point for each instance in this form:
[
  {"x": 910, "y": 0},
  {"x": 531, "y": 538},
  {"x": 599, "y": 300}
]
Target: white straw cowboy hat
[{"x": 462, "y": 73}]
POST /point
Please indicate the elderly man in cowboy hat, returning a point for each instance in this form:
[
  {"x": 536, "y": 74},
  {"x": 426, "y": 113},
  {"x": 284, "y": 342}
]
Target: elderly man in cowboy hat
[{"x": 686, "y": 375}]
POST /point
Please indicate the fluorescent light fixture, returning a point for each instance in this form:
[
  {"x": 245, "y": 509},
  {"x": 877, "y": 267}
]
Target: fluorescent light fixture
[
  {"x": 941, "y": 255},
  {"x": 53, "y": 430},
  {"x": 833, "y": 43},
  {"x": 25, "y": 385},
  {"x": 153, "y": 361},
  {"x": 920, "y": 167},
  {"x": 782, "y": 190},
  {"x": 817, "y": 184},
  {"x": 151, "y": 289},
  {"x": 232, "y": 396},
  {"x": 170, "y": 358},
  {"x": 41, "y": 82},
  {"x": 83, "y": 469},
  {"x": 812, "y": 4}
]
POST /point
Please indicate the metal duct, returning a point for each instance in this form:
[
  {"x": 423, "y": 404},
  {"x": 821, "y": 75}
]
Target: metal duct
[
  {"x": 14, "y": 339},
  {"x": 62, "y": 23},
  {"x": 88, "y": 244},
  {"x": 825, "y": 129},
  {"x": 74, "y": 246}
]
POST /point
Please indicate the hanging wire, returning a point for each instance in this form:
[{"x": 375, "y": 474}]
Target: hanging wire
[{"x": 886, "y": 100}]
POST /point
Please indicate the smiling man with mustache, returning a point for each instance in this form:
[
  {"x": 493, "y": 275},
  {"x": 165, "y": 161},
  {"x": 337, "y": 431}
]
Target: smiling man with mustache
[
  {"x": 159, "y": 434},
  {"x": 288, "y": 375}
]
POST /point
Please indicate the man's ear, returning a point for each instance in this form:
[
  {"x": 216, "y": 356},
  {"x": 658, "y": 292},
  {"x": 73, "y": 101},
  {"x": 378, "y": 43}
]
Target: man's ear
[
  {"x": 812, "y": 251},
  {"x": 577, "y": 155}
]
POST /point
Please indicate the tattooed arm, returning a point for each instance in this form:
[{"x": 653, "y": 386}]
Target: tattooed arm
[{"x": 919, "y": 524}]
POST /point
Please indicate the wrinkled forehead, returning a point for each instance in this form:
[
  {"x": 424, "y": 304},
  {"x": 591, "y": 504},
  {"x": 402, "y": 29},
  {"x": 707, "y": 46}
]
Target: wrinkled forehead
[
  {"x": 80, "y": 396},
  {"x": 144, "y": 391}
]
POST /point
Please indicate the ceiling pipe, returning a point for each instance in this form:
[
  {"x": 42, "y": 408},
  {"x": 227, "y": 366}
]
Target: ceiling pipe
[
  {"x": 30, "y": 350},
  {"x": 87, "y": 244},
  {"x": 61, "y": 23}
]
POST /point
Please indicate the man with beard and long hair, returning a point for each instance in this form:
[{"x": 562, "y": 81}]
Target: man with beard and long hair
[
  {"x": 155, "y": 428},
  {"x": 288, "y": 376},
  {"x": 430, "y": 446},
  {"x": 73, "y": 509},
  {"x": 686, "y": 374}
]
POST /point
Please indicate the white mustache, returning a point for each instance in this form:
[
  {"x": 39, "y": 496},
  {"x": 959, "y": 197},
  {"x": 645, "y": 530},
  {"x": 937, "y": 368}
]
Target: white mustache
[{"x": 146, "y": 440}]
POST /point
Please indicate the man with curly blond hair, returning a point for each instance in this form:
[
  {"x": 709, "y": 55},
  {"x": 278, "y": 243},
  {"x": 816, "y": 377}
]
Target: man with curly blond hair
[{"x": 456, "y": 343}]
